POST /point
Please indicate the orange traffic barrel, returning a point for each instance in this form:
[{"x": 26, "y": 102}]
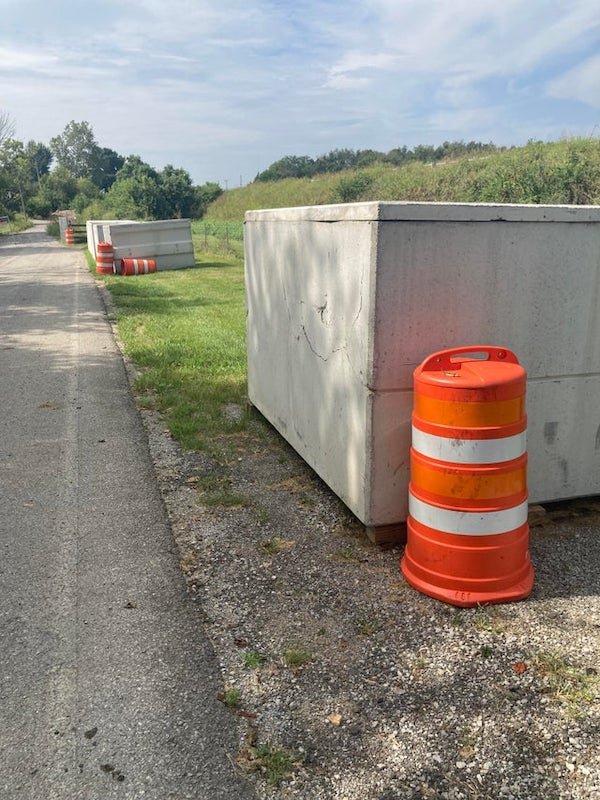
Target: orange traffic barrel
[
  {"x": 69, "y": 236},
  {"x": 467, "y": 532},
  {"x": 105, "y": 259},
  {"x": 137, "y": 266}
]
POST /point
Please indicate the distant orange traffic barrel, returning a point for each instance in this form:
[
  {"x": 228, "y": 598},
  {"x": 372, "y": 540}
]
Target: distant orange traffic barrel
[
  {"x": 468, "y": 537},
  {"x": 105, "y": 259},
  {"x": 137, "y": 266},
  {"x": 69, "y": 236}
]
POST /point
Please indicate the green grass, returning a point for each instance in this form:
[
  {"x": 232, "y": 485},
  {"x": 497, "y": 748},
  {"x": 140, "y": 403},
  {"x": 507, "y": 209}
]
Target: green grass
[
  {"x": 276, "y": 763},
  {"x": 297, "y": 657},
  {"x": 252, "y": 659},
  {"x": 18, "y": 223},
  {"x": 185, "y": 332},
  {"x": 569, "y": 684},
  {"x": 231, "y": 697}
]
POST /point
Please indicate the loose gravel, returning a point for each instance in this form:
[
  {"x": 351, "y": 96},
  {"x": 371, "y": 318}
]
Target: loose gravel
[{"x": 359, "y": 686}]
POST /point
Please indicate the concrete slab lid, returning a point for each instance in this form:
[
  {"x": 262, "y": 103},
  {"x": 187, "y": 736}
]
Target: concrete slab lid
[
  {"x": 126, "y": 227},
  {"x": 407, "y": 211}
]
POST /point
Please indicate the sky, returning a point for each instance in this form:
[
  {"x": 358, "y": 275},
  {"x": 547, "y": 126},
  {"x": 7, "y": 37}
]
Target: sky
[{"x": 225, "y": 88}]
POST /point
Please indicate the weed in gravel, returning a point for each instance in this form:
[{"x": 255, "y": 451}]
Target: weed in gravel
[
  {"x": 368, "y": 627},
  {"x": 215, "y": 490},
  {"x": 274, "y": 762},
  {"x": 348, "y": 555},
  {"x": 261, "y": 514},
  {"x": 231, "y": 697},
  {"x": 277, "y": 545},
  {"x": 569, "y": 684},
  {"x": 307, "y": 501},
  {"x": 486, "y": 651},
  {"x": 297, "y": 657},
  {"x": 226, "y": 499},
  {"x": 253, "y": 659},
  {"x": 484, "y": 620}
]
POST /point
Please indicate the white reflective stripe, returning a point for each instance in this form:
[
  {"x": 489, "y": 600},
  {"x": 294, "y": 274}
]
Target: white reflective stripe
[
  {"x": 469, "y": 451},
  {"x": 467, "y": 523}
]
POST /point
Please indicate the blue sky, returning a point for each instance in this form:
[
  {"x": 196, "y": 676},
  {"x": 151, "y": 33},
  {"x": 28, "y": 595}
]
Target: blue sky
[{"x": 223, "y": 89}]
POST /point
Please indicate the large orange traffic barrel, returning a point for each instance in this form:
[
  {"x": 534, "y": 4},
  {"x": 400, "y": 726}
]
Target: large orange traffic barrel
[
  {"x": 105, "y": 259},
  {"x": 467, "y": 532},
  {"x": 137, "y": 266},
  {"x": 69, "y": 235}
]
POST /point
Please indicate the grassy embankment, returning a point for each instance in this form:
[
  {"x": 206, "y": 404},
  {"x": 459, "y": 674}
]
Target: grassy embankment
[
  {"x": 557, "y": 172},
  {"x": 185, "y": 330}
]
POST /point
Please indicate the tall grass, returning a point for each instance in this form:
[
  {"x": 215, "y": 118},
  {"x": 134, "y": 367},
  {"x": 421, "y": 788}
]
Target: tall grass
[{"x": 557, "y": 172}]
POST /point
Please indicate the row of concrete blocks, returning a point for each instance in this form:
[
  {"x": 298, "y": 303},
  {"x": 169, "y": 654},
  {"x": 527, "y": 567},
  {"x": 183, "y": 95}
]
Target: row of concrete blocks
[{"x": 168, "y": 242}]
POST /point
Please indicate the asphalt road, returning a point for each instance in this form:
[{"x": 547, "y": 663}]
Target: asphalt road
[{"x": 107, "y": 681}]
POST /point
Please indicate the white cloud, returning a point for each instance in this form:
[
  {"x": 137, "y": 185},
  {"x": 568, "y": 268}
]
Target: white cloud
[
  {"x": 228, "y": 85},
  {"x": 582, "y": 82}
]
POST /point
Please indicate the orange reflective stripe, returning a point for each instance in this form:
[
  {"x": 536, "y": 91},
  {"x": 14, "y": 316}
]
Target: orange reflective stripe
[
  {"x": 448, "y": 413},
  {"x": 445, "y": 483}
]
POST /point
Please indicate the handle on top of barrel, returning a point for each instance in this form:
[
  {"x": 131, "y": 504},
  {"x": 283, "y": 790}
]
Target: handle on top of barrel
[{"x": 452, "y": 359}]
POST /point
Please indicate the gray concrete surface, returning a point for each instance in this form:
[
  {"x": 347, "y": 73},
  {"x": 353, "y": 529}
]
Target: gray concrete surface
[{"x": 107, "y": 681}]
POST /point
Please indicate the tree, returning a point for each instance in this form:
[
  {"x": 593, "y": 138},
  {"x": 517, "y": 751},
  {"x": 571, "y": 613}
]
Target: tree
[
  {"x": 7, "y": 127},
  {"x": 336, "y": 160},
  {"x": 288, "y": 167},
  {"x": 136, "y": 191},
  {"x": 13, "y": 164},
  {"x": 57, "y": 191},
  {"x": 39, "y": 158},
  {"x": 177, "y": 193},
  {"x": 76, "y": 149},
  {"x": 106, "y": 166},
  {"x": 206, "y": 194}
]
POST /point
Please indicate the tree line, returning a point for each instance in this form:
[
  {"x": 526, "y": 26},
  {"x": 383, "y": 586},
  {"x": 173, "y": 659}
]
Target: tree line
[
  {"x": 74, "y": 172},
  {"x": 345, "y": 158}
]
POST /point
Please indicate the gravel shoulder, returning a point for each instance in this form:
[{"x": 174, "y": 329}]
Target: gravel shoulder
[{"x": 375, "y": 691}]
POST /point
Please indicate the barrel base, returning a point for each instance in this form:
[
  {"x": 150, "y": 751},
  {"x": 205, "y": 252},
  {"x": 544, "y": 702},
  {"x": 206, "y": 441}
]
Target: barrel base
[
  {"x": 469, "y": 598},
  {"x": 468, "y": 571}
]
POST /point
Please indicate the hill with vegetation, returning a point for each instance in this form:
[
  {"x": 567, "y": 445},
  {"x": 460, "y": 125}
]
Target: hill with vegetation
[{"x": 553, "y": 172}]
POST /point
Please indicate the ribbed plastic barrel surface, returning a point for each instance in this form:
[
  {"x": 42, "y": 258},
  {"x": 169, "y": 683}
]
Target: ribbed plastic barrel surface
[
  {"x": 69, "y": 236},
  {"x": 105, "y": 264},
  {"x": 468, "y": 538},
  {"x": 137, "y": 266}
]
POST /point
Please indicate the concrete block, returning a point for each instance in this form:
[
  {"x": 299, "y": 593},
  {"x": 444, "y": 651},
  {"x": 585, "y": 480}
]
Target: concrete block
[
  {"x": 168, "y": 242},
  {"x": 95, "y": 232},
  {"x": 345, "y": 301}
]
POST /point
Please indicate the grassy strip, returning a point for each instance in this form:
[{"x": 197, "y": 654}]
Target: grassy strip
[{"x": 185, "y": 332}]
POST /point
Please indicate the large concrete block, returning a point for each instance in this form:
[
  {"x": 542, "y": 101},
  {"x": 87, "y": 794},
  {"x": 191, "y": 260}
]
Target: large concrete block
[{"x": 345, "y": 301}]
